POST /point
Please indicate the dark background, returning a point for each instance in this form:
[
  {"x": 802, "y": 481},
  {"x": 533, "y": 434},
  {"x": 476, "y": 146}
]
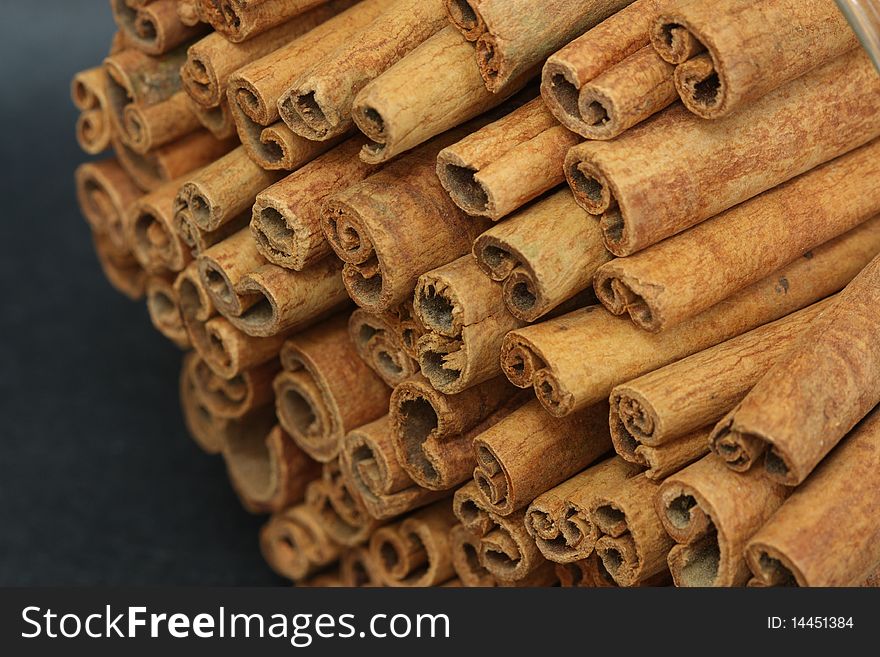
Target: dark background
[{"x": 99, "y": 481}]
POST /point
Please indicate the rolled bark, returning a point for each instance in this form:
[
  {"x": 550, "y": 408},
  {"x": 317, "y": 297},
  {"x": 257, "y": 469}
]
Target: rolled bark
[
  {"x": 826, "y": 533},
  {"x": 340, "y": 508},
  {"x": 295, "y": 543},
  {"x": 686, "y": 274},
  {"x": 241, "y": 20},
  {"x": 810, "y": 399},
  {"x": 501, "y": 167},
  {"x": 745, "y": 51},
  {"x": 153, "y": 28},
  {"x": 378, "y": 344},
  {"x": 149, "y": 225},
  {"x": 539, "y": 276},
  {"x": 467, "y": 320},
  {"x": 199, "y": 240},
  {"x": 609, "y": 79},
  {"x": 223, "y": 190},
  {"x": 318, "y": 104},
  {"x": 370, "y": 465},
  {"x": 712, "y": 512},
  {"x": 105, "y": 193},
  {"x": 432, "y": 433},
  {"x": 356, "y": 568},
  {"x": 395, "y": 118},
  {"x": 223, "y": 266},
  {"x": 173, "y": 160},
  {"x": 416, "y": 551},
  {"x": 204, "y": 427},
  {"x": 238, "y": 396},
  {"x": 530, "y": 452},
  {"x": 515, "y": 36},
  {"x": 465, "y": 548},
  {"x": 148, "y": 127},
  {"x": 585, "y": 573},
  {"x": 218, "y": 120},
  {"x": 409, "y": 328},
  {"x": 269, "y": 472},
  {"x": 668, "y": 458},
  {"x": 557, "y": 519},
  {"x": 506, "y": 549},
  {"x": 188, "y": 12},
  {"x": 286, "y": 223},
  {"x": 229, "y": 352},
  {"x": 164, "y": 310},
  {"x": 89, "y": 93},
  {"x": 120, "y": 267},
  {"x": 550, "y": 356},
  {"x": 394, "y": 226},
  {"x": 326, "y": 390},
  {"x": 662, "y": 406},
  {"x": 677, "y": 152},
  {"x": 634, "y": 545},
  {"x": 212, "y": 60}
]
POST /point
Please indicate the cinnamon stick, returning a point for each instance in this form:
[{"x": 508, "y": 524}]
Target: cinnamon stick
[
  {"x": 188, "y": 12},
  {"x": 501, "y": 167},
  {"x": 634, "y": 546},
  {"x": 415, "y": 552},
  {"x": 409, "y": 328},
  {"x": 529, "y": 452},
  {"x": 286, "y": 223},
  {"x": 238, "y": 396},
  {"x": 712, "y": 512},
  {"x": 550, "y": 356},
  {"x": 371, "y": 466},
  {"x": 230, "y": 352},
  {"x": 678, "y": 150},
  {"x": 105, "y": 192},
  {"x": 223, "y": 266},
  {"x": 465, "y": 548},
  {"x": 585, "y": 573},
  {"x": 148, "y": 127},
  {"x": 153, "y": 28},
  {"x": 670, "y": 457},
  {"x": 150, "y": 231},
  {"x": 196, "y": 308},
  {"x": 609, "y": 79},
  {"x": 239, "y": 20},
  {"x": 394, "y": 226},
  {"x": 295, "y": 543},
  {"x": 826, "y": 532},
  {"x": 213, "y": 59},
  {"x": 378, "y": 344},
  {"x": 659, "y": 407},
  {"x": 558, "y": 521},
  {"x": 164, "y": 310},
  {"x": 326, "y": 390},
  {"x": 432, "y": 433},
  {"x": 120, "y": 267},
  {"x": 744, "y": 51},
  {"x": 89, "y": 93},
  {"x": 396, "y": 118},
  {"x": 318, "y": 104},
  {"x": 539, "y": 276},
  {"x": 808, "y": 401},
  {"x": 356, "y": 568},
  {"x": 218, "y": 120},
  {"x": 199, "y": 240},
  {"x": 204, "y": 427},
  {"x": 269, "y": 472},
  {"x": 517, "y": 35},
  {"x": 467, "y": 320},
  {"x": 173, "y": 160},
  {"x": 340, "y": 508},
  {"x": 686, "y": 274}
]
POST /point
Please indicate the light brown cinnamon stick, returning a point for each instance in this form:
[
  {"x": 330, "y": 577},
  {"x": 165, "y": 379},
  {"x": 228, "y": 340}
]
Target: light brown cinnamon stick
[
  {"x": 711, "y": 513},
  {"x": 432, "y": 433},
  {"x": 539, "y": 276},
  {"x": 576, "y": 360},
  {"x": 164, "y": 310},
  {"x": 530, "y": 452},
  {"x": 201, "y": 424},
  {"x": 286, "y": 223},
  {"x": 416, "y": 551},
  {"x": 326, "y": 390},
  {"x": 499, "y": 168},
  {"x": 148, "y": 127},
  {"x": 89, "y": 93},
  {"x": 610, "y": 78},
  {"x": 676, "y": 151},
  {"x": 340, "y": 508},
  {"x": 686, "y": 274},
  {"x": 826, "y": 533},
  {"x": 743, "y": 51},
  {"x": 356, "y": 568},
  {"x": 295, "y": 543},
  {"x": 223, "y": 266},
  {"x": 218, "y": 120},
  {"x": 466, "y": 559},
  {"x": 149, "y": 225},
  {"x": 394, "y": 226},
  {"x": 318, "y": 104},
  {"x": 105, "y": 192},
  {"x": 239, "y": 20},
  {"x": 235, "y": 397},
  {"x": 230, "y": 352},
  {"x": 378, "y": 344},
  {"x": 396, "y": 118},
  {"x": 153, "y": 28},
  {"x": 808, "y": 401},
  {"x": 120, "y": 267},
  {"x": 515, "y": 36},
  {"x": 370, "y": 465}
]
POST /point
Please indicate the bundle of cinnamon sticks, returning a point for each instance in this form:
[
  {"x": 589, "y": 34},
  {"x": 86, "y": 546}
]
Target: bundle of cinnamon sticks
[{"x": 510, "y": 292}]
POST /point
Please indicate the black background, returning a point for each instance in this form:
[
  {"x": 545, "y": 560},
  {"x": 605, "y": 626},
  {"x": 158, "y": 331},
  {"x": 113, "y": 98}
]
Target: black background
[{"x": 99, "y": 481}]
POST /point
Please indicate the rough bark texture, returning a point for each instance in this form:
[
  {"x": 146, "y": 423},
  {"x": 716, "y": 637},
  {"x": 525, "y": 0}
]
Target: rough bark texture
[{"x": 378, "y": 344}]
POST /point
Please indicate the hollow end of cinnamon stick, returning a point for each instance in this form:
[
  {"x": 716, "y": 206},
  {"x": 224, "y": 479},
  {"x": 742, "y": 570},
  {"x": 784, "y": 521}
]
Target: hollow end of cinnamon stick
[
  {"x": 771, "y": 567},
  {"x": 739, "y": 449},
  {"x": 295, "y": 544},
  {"x": 93, "y": 131},
  {"x": 466, "y": 559},
  {"x": 591, "y": 187},
  {"x": 673, "y": 41},
  {"x": 151, "y": 233},
  {"x": 461, "y": 181},
  {"x": 305, "y": 415},
  {"x": 379, "y": 345},
  {"x": 200, "y": 423},
  {"x": 464, "y": 16},
  {"x": 120, "y": 268},
  {"x": 164, "y": 311}
]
